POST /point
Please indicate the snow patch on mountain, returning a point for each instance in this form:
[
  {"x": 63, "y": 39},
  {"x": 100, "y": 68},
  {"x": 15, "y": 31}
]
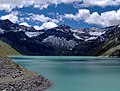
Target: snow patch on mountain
[
  {"x": 77, "y": 31},
  {"x": 97, "y": 33},
  {"x": 33, "y": 34},
  {"x": 118, "y": 26},
  {"x": 61, "y": 42},
  {"x": 91, "y": 38},
  {"x": 1, "y": 31},
  {"x": 60, "y": 30},
  {"x": 77, "y": 37}
]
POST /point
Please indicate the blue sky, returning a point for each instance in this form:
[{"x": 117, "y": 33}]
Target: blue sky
[{"x": 42, "y": 14}]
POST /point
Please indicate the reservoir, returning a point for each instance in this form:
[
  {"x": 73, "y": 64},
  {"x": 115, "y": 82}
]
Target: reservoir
[{"x": 71, "y": 73}]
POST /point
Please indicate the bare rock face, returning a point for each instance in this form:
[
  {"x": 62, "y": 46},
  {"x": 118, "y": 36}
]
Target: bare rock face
[
  {"x": 16, "y": 78},
  {"x": 115, "y": 54}
]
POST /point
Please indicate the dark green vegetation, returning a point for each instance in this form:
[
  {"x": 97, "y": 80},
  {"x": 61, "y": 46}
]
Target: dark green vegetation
[
  {"x": 61, "y": 41},
  {"x": 16, "y": 78}
]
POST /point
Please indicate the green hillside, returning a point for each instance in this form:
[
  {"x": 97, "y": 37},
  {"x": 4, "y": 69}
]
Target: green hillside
[
  {"x": 6, "y": 49},
  {"x": 111, "y": 51},
  {"x": 112, "y": 46}
]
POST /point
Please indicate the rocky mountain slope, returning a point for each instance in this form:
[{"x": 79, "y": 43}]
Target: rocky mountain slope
[
  {"x": 61, "y": 40},
  {"x": 16, "y": 78}
]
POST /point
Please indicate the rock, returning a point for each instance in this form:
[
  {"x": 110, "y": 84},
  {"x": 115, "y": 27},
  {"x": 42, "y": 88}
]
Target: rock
[
  {"x": 27, "y": 80},
  {"x": 115, "y": 54},
  {"x": 37, "y": 83}
]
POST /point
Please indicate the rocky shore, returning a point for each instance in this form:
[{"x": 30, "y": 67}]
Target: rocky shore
[
  {"x": 38, "y": 83},
  {"x": 16, "y": 78}
]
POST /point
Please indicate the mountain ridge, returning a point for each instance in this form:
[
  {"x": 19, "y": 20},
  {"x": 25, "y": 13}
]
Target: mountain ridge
[{"x": 61, "y": 40}]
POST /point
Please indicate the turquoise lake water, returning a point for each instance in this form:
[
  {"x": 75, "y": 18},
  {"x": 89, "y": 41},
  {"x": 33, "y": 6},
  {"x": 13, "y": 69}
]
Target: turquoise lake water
[{"x": 75, "y": 73}]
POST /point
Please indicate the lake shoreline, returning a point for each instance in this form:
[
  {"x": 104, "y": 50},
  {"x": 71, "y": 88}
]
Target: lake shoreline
[
  {"x": 75, "y": 73},
  {"x": 17, "y": 78}
]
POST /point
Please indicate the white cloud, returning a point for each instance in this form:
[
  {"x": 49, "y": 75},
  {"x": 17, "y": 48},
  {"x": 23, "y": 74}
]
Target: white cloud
[
  {"x": 104, "y": 19},
  {"x": 8, "y": 5},
  {"x": 82, "y": 14},
  {"x": 25, "y": 24},
  {"x": 12, "y": 17},
  {"x": 48, "y": 25},
  {"x": 41, "y": 18},
  {"x": 94, "y": 18},
  {"x": 70, "y": 1},
  {"x": 69, "y": 16},
  {"x": 108, "y": 18},
  {"x": 101, "y": 3},
  {"x": 37, "y": 27}
]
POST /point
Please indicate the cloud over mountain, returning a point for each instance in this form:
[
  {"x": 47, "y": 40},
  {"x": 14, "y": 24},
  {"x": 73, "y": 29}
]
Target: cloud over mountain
[
  {"x": 12, "y": 17},
  {"x": 48, "y": 25}
]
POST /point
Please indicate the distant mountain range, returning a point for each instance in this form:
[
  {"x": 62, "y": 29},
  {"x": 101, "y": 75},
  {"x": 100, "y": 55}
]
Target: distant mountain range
[{"x": 62, "y": 40}]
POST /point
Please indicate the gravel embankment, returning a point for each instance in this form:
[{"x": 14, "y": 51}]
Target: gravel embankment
[
  {"x": 38, "y": 83},
  {"x": 16, "y": 78}
]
